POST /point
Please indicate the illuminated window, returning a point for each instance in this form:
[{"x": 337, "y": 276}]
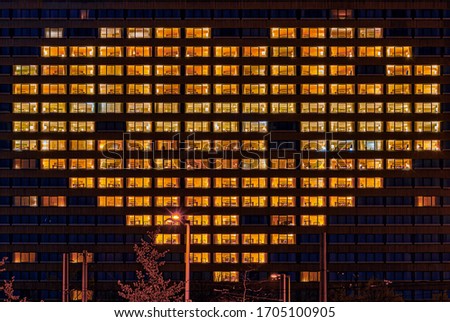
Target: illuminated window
[
  {"x": 370, "y": 107},
  {"x": 77, "y": 295},
  {"x": 309, "y": 277},
  {"x": 139, "y": 89},
  {"x": 82, "y": 182},
  {"x": 254, "y": 89},
  {"x": 139, "y": 145},
  {"x": 22, "y": 89},
  {"x": 398, "y": 164},
  {"x": 313, "y": 145},
  {"x": 254, "y": 201},
  {"x": 161, "y": 220},
  {"x": 109, "y": 164},
  {"x": 434, "y": 107},
  {"x": 167, "y": 239},
  {"x": 200, "y": 258},
  {"x": 110, "y": 70},
  {"x": 314, "y": 183},
  {"x": 198, "y": 32},
  {"x": 282, "y": 220},
  {"x": 167, "y": 89},
  {"x": 226, "y": 201},
  {"x": 226, "y": 258},
  {"x": 110, "y": 32},
  {"x": 229, "y": 126},
  {"x": 226, "y": 220},
  {"x": 342, "y": 164},
  {"x": 342, "y": 201},
  {"x": 197, "y": 89},
  {"x": 138, "y": 220},
  {"x": 342, "y": 70},
  {"x": 398, "y": 70},
  {"x": 226, "y": 107},
  {"x": 191, "y": 126},
  {"x": 282, "y": 164},
  {"x": 139, "y": 32},
  {"x": 196, "y": 201},
  {"x": 398, "y": 107},
  {"x": 161, "y": 164},
  {"x": 398, "y": 126},
  {"x": 253, "y": 164},
  {"x": 342, "y": 51},
  {"x": 337, "y": 183},
  {"x": 317, "y": 51},
  {"x": 232, "y": 276},
  {"x": 398, "y": 51},
  {"x": 23, "y": 108},
  {"x": 110, "y": 51},
  {"x": 254, "y": 51},
  {"x": 53, "y": 51},
  {"x": 56, "y": 107},
  {"x": 370, "y": 126},
  {"x": 370, "y": 32},
  {"x": 314, "y": 89},
  {"x": 82, "y": 126},
  {"x": 427, "y": 201},
  {"x": 167, "y": 201},
  {"x": 282, "y": 201},
  {"x": 313, "y": 126},
  {"x": 311, "y": 70},
  {"x": 254, "y": 239},
  {"x": 226, "y": 239},
  {"x": 342, "y": 89},
  {"x": 110, "y": 89},
  {"x": 53, "y": 126},
  {"x": 25, "y": 201},
  {"x": 110, "y": 145},
  {"x": 82, "y": 164},
  {"x": 370, "y": 51},
  {"x": 109, "y": 107},
  {"x": 77, "y": 51},
  {"x": 316, "y": 108},
  {"x": 55, "y": 88},
  {"x": 283, "y": 89},
  {"x": 53, "y": 145},
  {"x": 53, "y": 201},
  {"x": 27, "y": 70},
  {"x": 254, "y": 70},
  {"x": 197, "y": 70},
  {"x": 167, "y": 126},
  {"x": 254, "y": 257},
  {"x": 201, "y": 108},
  {"x": 85, "y": 89},
  {"x": 24, "y": 257},
  {"x": 313, "y": 32},
  {"x": 370, "y": 145},
  {"x": 162, "y": 145},
  {"x": 341, "y": 145},
  {"x": 167, "y": 32},
  {"x": 167, "y": 108},
  {"x": 163, "y": 182},
  {"x": 254, "y": 145},
  {"x": 82, "y": 70},
  {"x": 198, "y": 145},
  {"x": 253, "y": 183},
  {"x": 139, "y": 107},
  {"x": 82, "y": 145},
  {"x": 282, "y": 239},
  {"x": 167, "y": 70},
  {"x": 342, "y": 108},
  {"x": 54, "y": 33},
  {"x": 370, "y": 164},
  {"x": 427, "y": 145},
  {"x": 139, "y": 201},
  {"x": 290, "y": 70},
  {"x": 341, "y": 33},
  {"x": 316, "y": 201},
  {"x": 279, "y": 108},
  {"x": 139, "y": 51},
  {"x": 226, "y": 183},
  {"x": 427, "y": 70},
  {"x": 371, "y": 89},
  {"x": 370, "y": 183},
  {"x": 197, "y": 182},
  {"x": 312, "y": 220},
  {"x": 222, "y": 51},
  {"x": 419, "y": 89},
  {"x": 198, "y": 220},
  {"x": 226, "y": 89},
  {"x": 197, "y": 51},
  {"x": 53, "y": 164}
]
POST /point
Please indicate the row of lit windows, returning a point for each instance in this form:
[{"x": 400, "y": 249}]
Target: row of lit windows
[
  {"x": 205, "y": 201},
  {"x": 309, "y": 164},
  {"x": 235, "y": 276},
  {"x": 227, "y": 89},
  {"x": 218, "y": 70},
  {"x": 225, "y": 51},
  {"x": 222, "y": 108}
]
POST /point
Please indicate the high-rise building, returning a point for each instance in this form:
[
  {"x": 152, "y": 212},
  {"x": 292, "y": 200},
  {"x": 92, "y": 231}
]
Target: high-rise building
[{"x": 266, "y": 123}]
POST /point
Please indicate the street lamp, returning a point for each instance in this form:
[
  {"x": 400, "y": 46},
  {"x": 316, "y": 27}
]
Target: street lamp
[
  {"x": 182, "y": 220},
  {"x": 285, "y": 281}
]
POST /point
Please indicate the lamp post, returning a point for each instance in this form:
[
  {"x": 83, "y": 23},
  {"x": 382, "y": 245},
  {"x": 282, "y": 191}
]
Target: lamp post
[
  {"x": 182, "y": 220},
  {"x": 285, "y": 281}
]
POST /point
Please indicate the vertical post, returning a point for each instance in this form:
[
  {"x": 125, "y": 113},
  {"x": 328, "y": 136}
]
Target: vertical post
[
  {"x": 84, "y": 277},
  {"x": 65, "y": 277},
  {"x": 188, "y": 262},
  {"x": 288, "y": 277},
  {"x": 323, "y": 269},
  {"x": 283, "y": 288}
]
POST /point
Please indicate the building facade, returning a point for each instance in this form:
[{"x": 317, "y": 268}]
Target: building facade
[{"x": 265, "y": 123}]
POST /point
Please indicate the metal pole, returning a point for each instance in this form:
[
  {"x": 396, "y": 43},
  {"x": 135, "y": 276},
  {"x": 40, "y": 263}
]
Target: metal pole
[
  {"x": 323, "y": 269},
  {"x": 188, "y": 262},
  {"x": 283, "y": 289},
  {"x": 65, "y": 277},
  {"x": 84, "y": 277},
  {"x": 288, "y": 287}
]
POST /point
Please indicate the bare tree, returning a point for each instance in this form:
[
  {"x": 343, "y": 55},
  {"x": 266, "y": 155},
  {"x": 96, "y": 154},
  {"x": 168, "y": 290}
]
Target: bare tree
[
  {"x": 8, "y": 286},
  {"x": 151, "y": 285}
]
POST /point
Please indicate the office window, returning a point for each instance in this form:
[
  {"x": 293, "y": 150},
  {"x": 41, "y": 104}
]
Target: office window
[
  {"x": 140, "y": 51},
  {"x": 167, "y": 89},
  {"x": 138, "y": 220},
  {"x": 109, "y": 145},
  {"x": 370, "y": 145},
  {"x": 309, "y": 276},
  {"x": 341, "y": 33},
  {"x": 197, "y": 145},
  {"x": 398, "y": 107},
  {"x": 82, "y": 145},
  {"x": 200, "y": 258},
  {"x": 254, "y": 89},
  {"x": 307, "y": 51},
  {"x": 398, "y": 51},
  {"x": 110, "y": 32},
  {"x": 139, "y": 108},
  {"x": 196, "y": 51},
  {"x": 167, "y": 182},
  {"x": 398, "y": 70},
  {"x": 199, "y": 220},
  {"x": 370, "y": 126},
  {"x": 370, "y": 32},
  {"x": 315, "y": 108},
  {"x": 229, "y": 51},
  {"x": 81, "y": 126},
  {"x": 197, "y": 70},
  {"x": 232, "y": 276},
  {"x": 254, "y": 239},
  {"x": 25, "y": 108},
  {"x": 161, "y": 108},
  {"x": 427, "y": 145},
  {"x": 78, "y": 70},
  {"x": 282, "y": 220},
  {"x": 197, "y": 182},
  {"x": 80, "y": 51},
  {"x": 53, "y": 145},
  {"x": 196, "y": 201},
  {"x": 427, "y": 201},
  {"x": 110, "y": 70},
  {"x": 398, "y": 126},
  {"x": 370, "y": 107},
  {"x": 254, "y": 145},
  {"x": 427, "y": 107},
  {"x": 288, "y": 89},
  {"x": 25, "y": 201},
  {"x": 201, "y": 108},
  {"x": 53, "y": 201},
  {"x": 284, "y": 33},
  {"x": 53, "y": 164},
  {"x": 55, "y": 88},
  {"x": 109, "y": 107},
  {"x": 398, "y": 164},
  {"x": 253, "y": 183},
  {"x": 139, "y": 126},
  {"x": 226, "y": 70},
  {"x": 282, "y": 239},
  {"x": 254, "y": 70},
  {"x": 254, "y": 258},
  {"x": 281, "y": 108},
  {"x": 139, "y": 32},
  {"x": 342, "y": 70},
  {"x": 226, "y": 201},
  {"x": 167, "y": 70},
  {"x": 192, "y": 126},
  {"x": 167, "y": 32},
  {"x": 110, "y": 51},
  {"x": 81, "y": 182},
  {"x": 226, "y": 89},
  {"x": 53, "y": 126},
  {"x": 370, "y": 164},
  {"x": 313, "y": 126},
  {"x": 80, "y": 89},
  {"x": 315, "y": 183},
  {"x": 342, "y": 51},
  {"x": 162, "y": 145},
  {"x": 139, "y": 145},
  {"x": 197, "y": 89},
  {"x": 254, "y": 51},
  {"x": 25, "y": 126},
  {"x": 167, "y": 201},
  {"x": 313, "y": 164},
  {"x": 310, "y": 201},
  {"x": 226, "y": 258},
  {"x": 370, "y": 51},
  {"x": 167, "y": 126},
  {"x": 167, "y": 239},
  {"x": 226, "y": 239},
  {"x": 25, "y": 70},
  {"x": 139, "y": 201},
  {"x": 254, "y": 201},
  {"x": 342, "y": 201},
  {"x": 24, "y": 257},
  {"x": 427, "y": 70},
  {"x": 420, "y": 89},
  {"x": 371, "y": 89},
  {"x": 341, "y": 145},
  {"x": 198, "y": 32},
  {"x": 342, "y": 164},
  {"x": 342, "y": 89},
  {"x": 226, "y": 220},
  {"x": 53, "y": 51},
  {"x": 282, "y": 201},
  {"x": 342, "y": 108},
  {"x": 312, "y": 220},
  {"x": 313, "y": 32},
  {"x": 370, "y": 183},
  {"x": 226, "y": 108},
  {"x": 53, "y": 107},
  {"x": 21, "y": 89},
  {"x": 313, "y": 89},
  {"x": 84, "y": 164},
  {"x": 226, "y": 183},
  {"x": 54, "y": 33},
  {"x": 139, "y": 89}
]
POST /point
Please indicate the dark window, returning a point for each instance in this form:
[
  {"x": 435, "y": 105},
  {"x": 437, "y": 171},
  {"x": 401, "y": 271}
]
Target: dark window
[
  {"x": 167, "y": 13},
  {"x": 255, "y": 14},
  {"x": 283, "y": 14},
  {"x": 314, "y": 14},
  {"x": 226, "y": 32},
  {"x": 226, "y": 14},
  {"x": 54, "y": 14},
  {"x": 136, "y": 14},
  {"x": 197, "y": 13},
  {"x": 110, "y": 14}
]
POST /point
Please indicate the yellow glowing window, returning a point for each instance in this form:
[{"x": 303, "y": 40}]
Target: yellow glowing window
[
  {"x": 282, "y": 239},
  {"x": 197, "y": 89},
  {"x": 341, "y": 126},
  {"x": 200, "y": 239},
  {"x": 110, "y": 145},
  {"x": 110, "y": 70},
  {"x": 167, "y": 126},
  {"x": 197, "y": 70},
  {"x": 254, "y": 70},
  {"x": 139, "y": 107},
  {"x": 400, "y": 107},
  {"x": 342, "y": 107},
  {"x": 255, "y": 145},
  {"x": 419, "y": 89},
  {"x": 54, "y": 88},
  {"x": 313, "y": 201},
  {"x": 226, "y": 70},
  {"x": 313, "y": 126},
  {"x": 138, "y": 220},
  {"x": 139, "y": 51},
  {"x": 398, "y": 70},
  {"x": 286, "y": 70},
  {"x": 253, "y": 164},
  {"x": 82, "y": 126},
  {"x": 53, "y": 51},
  {"x": 341, "y": 183},
  {"x": 279, "y": 108},
  {"x": 226, "y": 183},
  {"x": 161, "y": 220},
  {"x": 197, "y": 51},
  {"x": 316, "y": 108},
  {"x": 54, "y": 70},
  {"x": 226, "y": 164},
  {"x": 254, "y": 51},
  {"x": 219, "y": 276},
  {"x": 197, "y": 182},
  {"x": 167, "y": 182},
  {"x": 77, "y": 295},
  {"x": 25, "y": 201},
  {"x": 282, "y": 220},
  {"x": 282, "y": 201},
  {"x": 342, "y": 70},
  {"x": 110, "y": 32},
  {"x": 370, "y": 164},
  {"x": 398, "y": 126},
  {"x": 254, "y": 201},
  {"x": 253, "y": 183},
  {"x": 370, "y": 126},
  {"x": 167, "y": 89},
  {"x": 162, "y": 145},
  {"x": 167, "y": 32},
  {"x": 370, "y": 51},
  {"x": 226, "y": 239},
  {"x": 282, "y": 164},
  {"x": 167, "y": 70},
  {"x": 283, "y": 51},
  {"x": 313, "y": 32},
  {"x": 22, "y": 108},
  {"x": 283, "y": 33},
  {"x": 342, "y": 201},
  {"x": 226, "y": 201},
  {"x": 342, "y": 89},
  {"x": 254, "y": 257},
  {"x": 319, "y": 51},
  {"x": 139, "y": 32},
  {"x": 313, "y": 89},
  {"x": 226, "y": 220},
  {"x": 283, "y": 89},
  {"x": 371, "y": 89},
  {"x": 370, "y": 32},
  {"x": 86, "y": 164},
  {"x": 139, "y": 201},
  {"x": 24, "y": 257},
  {"x": 398, "y": 51},
  {"x": 254, "y": 89},
  {"x": 200, "y": 258},
  {"x": 77, "y": 51},
  {"x": 167, "y": 239},
  {"x": 433, "y": 107},
  {"x": 376, "y": 182},
  {"x": 307, "y": 70},
  {"x": 427, "y": 145},
  {"x": 54, "y": 33},
  {"x": 198, "y": 220},
  {"x": 82, "y": 182},
  {"x": 161, "y": 164},
  {"x": 82, "y": 70},
  {"x": 82, "y": 145},
  {"x": 110, "y": 51},
  {"x": 139, "y": 89},
  {"x": 53, "y": 164},
  {"x": 226, "y": 258},
  {"x": 226, "y": 89},
  {"x": 53, "y": 145},
  {"x": 27, "y": 70},
  {"x": 167, "y": 201},
  {"x": 427, "y": 70},
  {"x": 110, "y": 182},
  {"x": 309, "y": 277},
  {"x": 313, "y": 145},
  {"x": 342, "y": 164},
  {"x": 342, "y": 51},
  {"x": 192, "y": 126},
  {"x": 221, "y": 51},
  {"x": 80, "y": 89},
  {"x": 314, "y": 183},
  {"x": 196, "y": 201},
  {"x": 341, "y": 145},
  {"x": 53, "y": 201},
  {"x": 341, "y": 33},
  {"x": 226, "y": 108},
  {"x": 109, "y": 163},
  {"x": 370, "y": 107},
  {"x": 202, "y": 108},
  {"x": 254, "y": 239},
  {"x": 198, "y": 32},
  {"x": 427, "y": 201},
  {"x": 53, "y": 126},
  {"x": 53, "y": 107},
  {"x": 110, "y": 89},
  {"x": 312, "y": 220},
  {"x": 25, "y": 89}
]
